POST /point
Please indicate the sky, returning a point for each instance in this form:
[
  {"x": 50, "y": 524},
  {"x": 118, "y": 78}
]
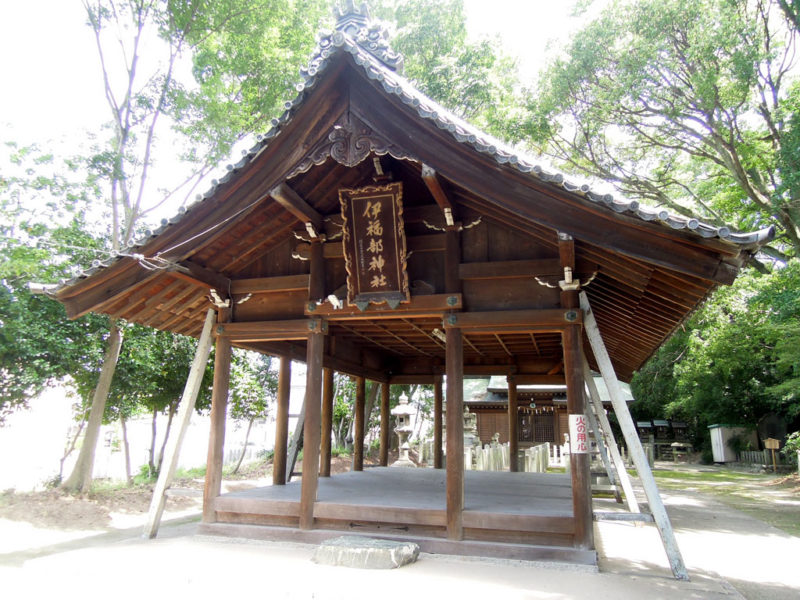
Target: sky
[{"x": 52, "y": 93}]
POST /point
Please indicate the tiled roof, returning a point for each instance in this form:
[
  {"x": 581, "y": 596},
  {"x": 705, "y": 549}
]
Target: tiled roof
[{"x": 365, "y": 41}]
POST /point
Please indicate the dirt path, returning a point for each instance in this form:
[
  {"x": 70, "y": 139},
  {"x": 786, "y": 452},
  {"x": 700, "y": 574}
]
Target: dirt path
[
  {"x": 720, "y": 525},
  {"x": 730, "y": 554}
]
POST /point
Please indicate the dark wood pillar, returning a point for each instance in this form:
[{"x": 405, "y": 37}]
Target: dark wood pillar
[
  {"x": 576, "y": 405},
  {"x": 437, "y": 423},
  {"x": 282, "y": 422},
  {"x": 311, "y": 430},
  {"x": 316, "y": 284},
  {"x": 385, "y": 416},
  {"x": 219, "y": 408},
  {"x": 452, "y": 258},
  {"x": 513, "y": 436},
  {"x": 327, "y": 422},
  {"x": 358, "y": 429},
  {"x": 455, "y": 434}
]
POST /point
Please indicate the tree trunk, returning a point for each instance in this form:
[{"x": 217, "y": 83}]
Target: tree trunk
[
  {"x": 151, "y": 459},
  {"x": 70, "y": 447},
  {"x": 372, "y": 396},
  {"x": 172, "y": 408},
  {"x": 244, "y": 449},
  {"x": 81, "y": 478},
  {"x": 127, "y": 449}
]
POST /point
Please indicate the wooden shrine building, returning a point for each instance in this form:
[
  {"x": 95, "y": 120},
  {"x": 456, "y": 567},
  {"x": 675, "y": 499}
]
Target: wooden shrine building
[
  {"x": 373, "y": 232},
  {"x": 541, "y": 410}
]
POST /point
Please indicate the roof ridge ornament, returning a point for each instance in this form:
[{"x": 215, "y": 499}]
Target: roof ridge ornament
[{"x": 370, "y": 35}]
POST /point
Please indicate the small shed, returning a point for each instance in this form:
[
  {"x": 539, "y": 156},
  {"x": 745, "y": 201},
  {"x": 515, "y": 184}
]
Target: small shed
[{"x": 721, "y": 435}]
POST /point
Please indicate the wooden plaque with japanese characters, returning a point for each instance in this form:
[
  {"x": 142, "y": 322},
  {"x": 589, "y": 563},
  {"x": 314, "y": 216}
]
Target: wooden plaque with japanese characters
[{"x": 374, "y": 245}]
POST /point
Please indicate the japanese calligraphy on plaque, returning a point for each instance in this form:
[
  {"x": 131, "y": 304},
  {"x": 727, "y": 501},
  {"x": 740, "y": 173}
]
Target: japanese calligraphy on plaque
[
  {"x": 374, "y": 245},
  {"x": 578, "y": 435}
]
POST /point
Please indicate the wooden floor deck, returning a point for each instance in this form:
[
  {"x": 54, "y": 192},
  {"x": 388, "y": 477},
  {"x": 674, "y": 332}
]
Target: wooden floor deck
[{"x": 518, "y": 515}]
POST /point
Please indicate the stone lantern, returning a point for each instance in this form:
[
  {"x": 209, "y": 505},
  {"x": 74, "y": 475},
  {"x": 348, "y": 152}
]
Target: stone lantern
[{"x": 403, "y": 413}]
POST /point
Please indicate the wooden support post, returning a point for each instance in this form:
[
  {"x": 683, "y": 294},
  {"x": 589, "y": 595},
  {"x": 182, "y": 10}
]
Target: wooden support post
[
  {"x": 185, "y": 410},
  {"x": 316, "y": 284},
  {"x": 219, "y": 407},
  {"x": 311, "y": 436},
  {"x": 579, "y": 463},
  {"x": 455, "y": 433},
  {"x": 437, "y": 423},
  {"x": 634, "y": 444},
  {"x": 452, "y": 258},
  {"x": 282, "y": 422},
  {"x": 385, "y": 392},
  {"x": 327, "y": 422},
  {"x": 513, "y": 437},
  {"x": 601, "y": 448},
  {"x": 611, "y": 442},
  {"x": 358, "y": 430},
  {"x": 294, "y": 444}
]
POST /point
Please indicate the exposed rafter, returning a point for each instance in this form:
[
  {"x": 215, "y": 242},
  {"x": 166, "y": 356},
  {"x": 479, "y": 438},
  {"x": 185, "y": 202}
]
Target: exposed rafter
[
  {"x": 435, "y": 187},
  {"x": 295, "y": 204}
]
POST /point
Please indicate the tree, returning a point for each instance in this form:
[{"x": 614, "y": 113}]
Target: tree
[
  {"x": 684, "y": 104},
  {"x": 476, "y": 80},
  {"x": 736, "y": 359},
  {"x": 240, "y": 51},
  {"x": 254, "y": 387},
  {"x": 42, "y": 234}
]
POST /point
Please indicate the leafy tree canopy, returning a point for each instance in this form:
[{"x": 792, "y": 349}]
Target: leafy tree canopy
[
  {"x": 735, "y": 360},
  {"x": 684, "y": 103}
]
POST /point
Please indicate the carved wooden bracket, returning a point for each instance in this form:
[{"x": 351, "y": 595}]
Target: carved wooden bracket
[{"x": 349, "y": 143}]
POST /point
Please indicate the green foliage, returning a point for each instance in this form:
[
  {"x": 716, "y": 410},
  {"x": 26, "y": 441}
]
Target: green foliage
[
  {"x": 253, "y": 387},
  {"x": 473, "y": 79},
  {"x": 685, "y": 104},
  {"x": 42, "y": 234},
  {"x": 792, "y": 447},
  {"x": 735, "y": 360}
]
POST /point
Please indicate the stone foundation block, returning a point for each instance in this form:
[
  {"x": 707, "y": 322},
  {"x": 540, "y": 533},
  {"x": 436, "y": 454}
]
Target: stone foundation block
[{"x": 365, "y": 553}]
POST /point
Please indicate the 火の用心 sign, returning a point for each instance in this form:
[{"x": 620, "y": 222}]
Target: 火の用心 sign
[{"x": 374, "y": 245}]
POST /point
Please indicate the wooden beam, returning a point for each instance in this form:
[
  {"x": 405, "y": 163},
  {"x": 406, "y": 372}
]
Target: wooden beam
[
  {"x": 219, "y": 406},
  {"x": 311, "y": 435},
  {"x": 437, "y": 423},
  {"x": 384, "y": 450},
  {"x": 452, "y": 259},
  {"x": 419, "y": 306},
  {"x": 185, "y": 410},
  {"x": 282, "y": 422},
  {"x": 260, "y": 285},
  {"x": 291, "y": 201},
  {"x": 634, "y": 443},
  {"x": 435, "y": 188},
  {"x": 579, "y": 463},
  {"x": 327, "y": 422},
  {"x": 534, "y": 379},
  {"x": 510, "y": 269},
  {"x": 581, "y": 477},
  {"x": 513, "y": 437},
  {"x": 253, "y": 331},
  {"x": 316, "y": 281},
  {"x": 102, "y": 295},
  {"x": 358, "y": 428},
  {"x": 488, "y": 321},
  {"x": 611, "y": 442},
  {"x": 455, "y": 435},
  {"x": 566, "y": 251},
  {"x": 194, "y": 273},
  {"x": 432, "y": 242}
]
